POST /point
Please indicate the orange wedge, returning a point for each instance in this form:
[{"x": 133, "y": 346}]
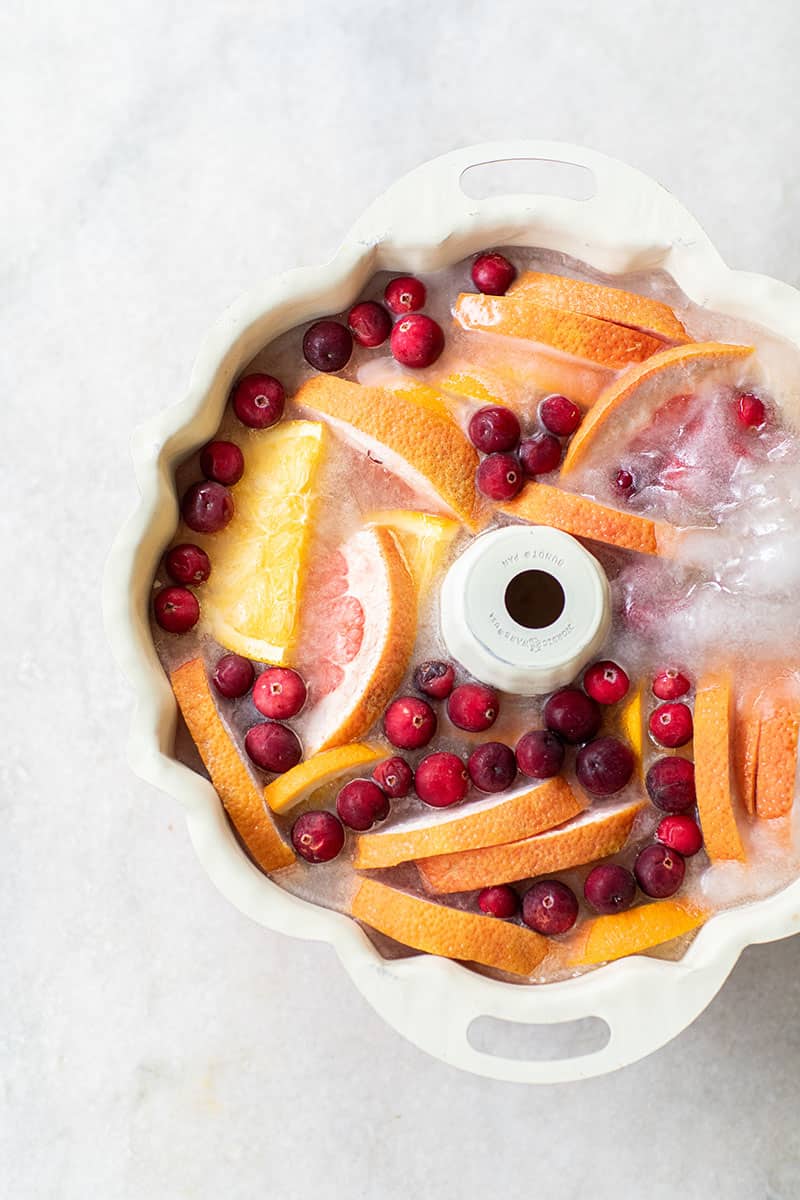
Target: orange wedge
[
  {"x": 412, "y": 439},
  {"x": 543, "y": 504},
  {"x": 594, "y": 835},
  {"x": 294, "y": 786},
  {"x": 777, "y": 763},
  {"x": 598, "y": 300},
  {"x": 603, "y": 939},
  {"x": 540, "y": 808},
  {"x": 746, "y": 735},
  {"x": 243, "y": 801},
  {"x": 626, "y": 391},
  {"x": 603, "y": 342},
  {"x": 449, "y": 932},
  {"x": 712, "y": 719}
]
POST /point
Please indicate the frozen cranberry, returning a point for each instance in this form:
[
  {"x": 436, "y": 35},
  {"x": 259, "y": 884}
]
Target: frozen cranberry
[
  {"x": 279, "y": 692},
  {"x": 499, "y": 477},
  {"x": 176, "y": 609},
  {"x": 493, "y": 274},
  {"x": 258, "y": 401},
  {"x": 405, "y": 294},
  {"x": 223, "y": 462},
  {"x": 327, "y": 345},
  {"x": 670, "y": 784},
  {"x": 680, "y": 833},
  {"x": 540, "y": 754},
  {"x": 624, "y": 483},
  {"x": 395, "y": 776},
  {"x": 187, "y": 563},
  {"x": 750, "y": 411},
  {"x": 559, "y": 415},
  {"x": 441, "y": 780},
  {"x": 493, "y": 428},
  {"x": 670, "y": 685},
  {"x": 233, "y": 676},
  {"x": 609, "y": 888},
  {"x": 573, "y": 715},
  {"x": 370, "y": 323},
  {"x": 473, "y": 706},
  {"x": 409, "y": 723},
  {"x": 604, "y": 766},
  {"x": 550, "y": 907},
  {"x": 361, "y": 803},
  {"x": 659, "y": 871},
  {"x": 606, "y": 682},
  {"x": 492, "y": 767},
  {"x": 317, "y": 836},
  {"x": 499, "y": 901},
  {"x": 207, "y": 507},
  {"x": 540, "y": 454},
  {"x": 671, "y": 725},
  {"x": 417, "y": 341},
  {"x": 273, "y": 747},
  {"x": 435, "y": 678}
]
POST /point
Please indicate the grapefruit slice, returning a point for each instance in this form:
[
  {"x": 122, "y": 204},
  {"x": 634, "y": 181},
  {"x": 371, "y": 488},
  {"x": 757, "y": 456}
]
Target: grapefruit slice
[
  {"x": 602, "y": 939},
  {"x": 296, "y": 785},
  {"x": 487, "y": 825},
  {"x": 777, "y": 763},
  {"x": 235, "y": 786},
  {"x": 448, "y": 932},
  {"x": 424, "y": 538},
  {"x": 543, "y": 504},
  {"x": 599, "y": 300},
  {"x": 358, "y": 631},
  {"x": 746, "y": 736},
  {"x": 712, "y": 770}
]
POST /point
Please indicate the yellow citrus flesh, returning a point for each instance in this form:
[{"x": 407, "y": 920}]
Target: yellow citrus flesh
[{"x": 424, "y": 538}]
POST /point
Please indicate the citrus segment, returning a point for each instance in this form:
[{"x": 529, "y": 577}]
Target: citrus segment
[
  {"x": 543, "y": 504},
  {"x": 777, "y": 763},
  {"x": 599, "y": 300},
  {"x": 632, "y": 724},
  {"x": 424, "y": 539},
  {"x": 712, "y": 738},
  {"x": 602, "y": 939},
  {"x": 746, "y": 736},
  {"x": 294, "y": 786}
]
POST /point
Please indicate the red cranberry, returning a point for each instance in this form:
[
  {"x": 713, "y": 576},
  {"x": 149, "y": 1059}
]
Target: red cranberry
[
  {"x": 573, "y": 715},
  {"x": 540, "y": 454},
  {"x": 493, "y": 428},
  {"x": 207, "y": 507},
  {"x": 750, "y": 411},
  {"x": 233, "y": 676},
  {"x": 395, "y": 776},
  {"x": 670, "y": 685},
  {"x": 659, "y": 871},
  {"x": 550, "y": 907},
  {"x": 499, "y": 901},
  {"x": 258, "y": 401},
  {"x": 670, "y": 784},
  {"x": 370, "y": 323},
  {"x": 441, "y": 780},
  {"x": 492, "y": 767},
  {"x": 493, "y": 274},
  {"x": 473, "y": 706},
  {"x": 671, "y": 725},
  {"x": 409, "y": 723},
  {"x": 435, "y": 678},
  {"x": 604, "y": 766},
  {"x": 624, "y": 483},
  {"x": 499, "y": 477},
  {"x": 327, "y": 345},
  {"x": 606, "y": 682},
  {"x": 279, "y": 692},
  {"x": 176, "y": 609},
  {"x": 540, "y": 754},
  {"x": 417, "y": 341},
  {"x": 559, "y": 415},
  {"x": 223, "y": 462},
  {"x": 405, "y": 294},
  {"x": 273, "y": 747},
  {"x": 680, "y": 833},
  {"x": 361, "y": 803},
  {"x": 317, "y": 836},
  {"x": 609, "y": 888},
  {"x": 187, "y": 563}
]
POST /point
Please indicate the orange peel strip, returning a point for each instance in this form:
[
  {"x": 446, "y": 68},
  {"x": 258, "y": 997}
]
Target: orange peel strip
[
  {"x": 543, "y": 504},
  {"x": 712, "y": 736},
  {"x": 603, "y": 939},
  {"x": 746, "y": 737},
  {"x": 777, "y": 763},
  {"x": 599, "y": 300}
]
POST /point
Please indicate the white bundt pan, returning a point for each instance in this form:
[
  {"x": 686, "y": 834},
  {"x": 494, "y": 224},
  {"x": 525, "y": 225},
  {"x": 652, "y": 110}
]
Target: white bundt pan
[{"x": 424, "y": 222}]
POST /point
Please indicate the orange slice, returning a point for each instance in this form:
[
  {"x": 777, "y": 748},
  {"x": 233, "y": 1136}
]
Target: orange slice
[
  {"x": 543, "y": 504},
  {"x": 540, "y": 808},
  {"x": 449, "y": 932},
  {"x": 625, "y": 391},
  {"x": 598, "y": 300},
  {"x": 777, "y": 763},
  {"x": 358, "y": 629},
  {"x": 712, "y": 737},
  {"x": 238, "y": 792},
  {"x": 602, "y": 342},
  {"x": 594, "y": 835},
  {"x": 425, "y": 448},
  {"x": 294, "y": 786},
  {"x": 602, "y": 939},
  {"x": 631, "y": 722},
  {"x": 746, "y": 736}
]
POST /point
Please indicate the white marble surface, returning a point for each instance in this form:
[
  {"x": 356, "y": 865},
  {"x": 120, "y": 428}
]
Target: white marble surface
[{"x": 157, "y": 159}]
